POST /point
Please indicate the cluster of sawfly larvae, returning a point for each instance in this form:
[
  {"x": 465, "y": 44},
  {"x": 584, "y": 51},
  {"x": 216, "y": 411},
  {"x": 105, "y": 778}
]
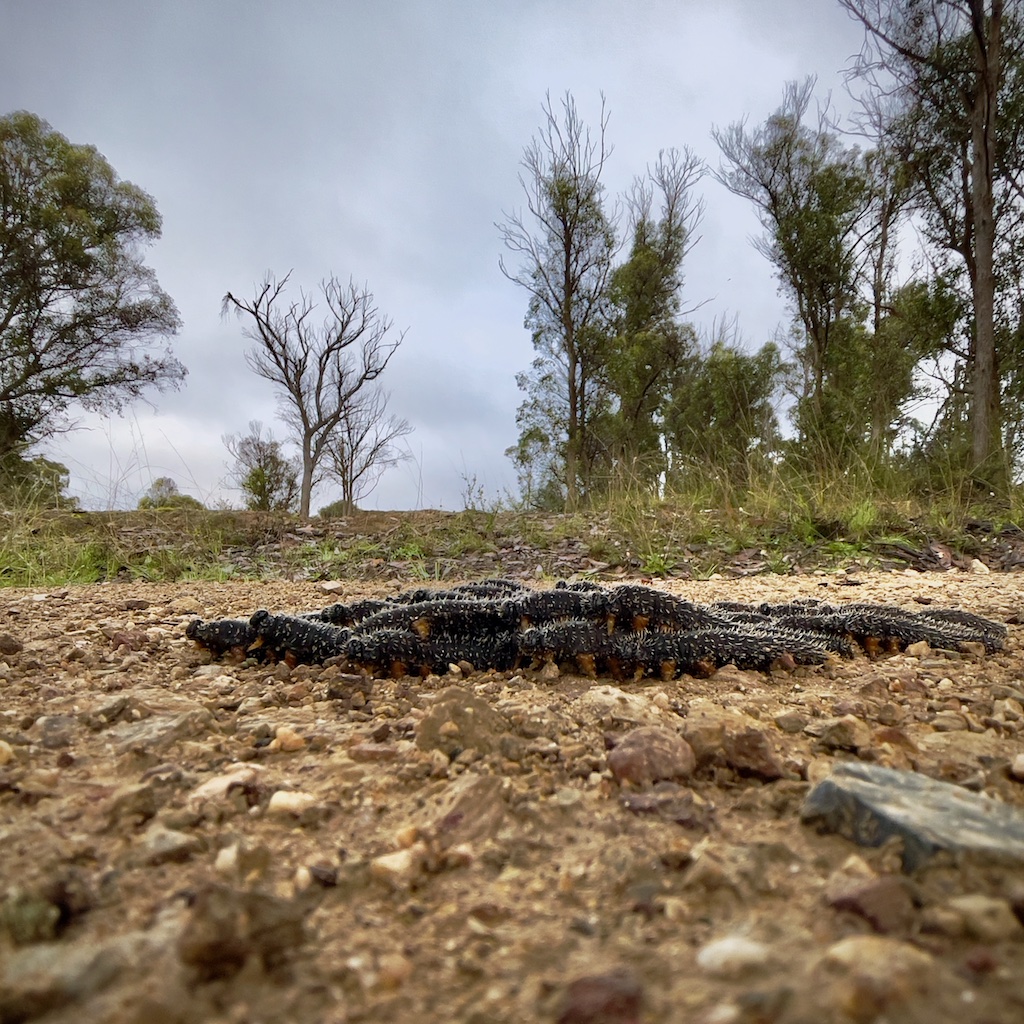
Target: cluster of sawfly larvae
[{"x": 627, "y": 631}]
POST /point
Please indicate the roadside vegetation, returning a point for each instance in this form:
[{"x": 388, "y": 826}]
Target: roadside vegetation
[{"x": 772, "y": 523}]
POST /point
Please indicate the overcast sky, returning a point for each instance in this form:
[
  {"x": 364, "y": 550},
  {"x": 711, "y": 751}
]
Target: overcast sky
[{"x": 381, "y": 139}]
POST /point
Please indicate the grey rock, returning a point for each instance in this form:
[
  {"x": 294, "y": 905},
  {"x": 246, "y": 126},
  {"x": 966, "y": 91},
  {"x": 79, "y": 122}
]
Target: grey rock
[
  {"x": 48, "y": 975},
  {"x": 160, "y": 731},
  {"x": 870, "y": 804},
  {"x": 55, "y": 731},
  {"x": 160, "y": 845}
]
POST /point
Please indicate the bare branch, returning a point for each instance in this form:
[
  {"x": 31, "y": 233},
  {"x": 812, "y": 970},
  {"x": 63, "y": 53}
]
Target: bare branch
[{"x": 320, "y": 368}]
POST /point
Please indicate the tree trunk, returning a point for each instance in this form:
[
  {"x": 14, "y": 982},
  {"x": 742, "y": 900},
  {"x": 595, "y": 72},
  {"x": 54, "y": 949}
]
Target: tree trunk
[
  {"x": 988, "y": 463},
  {"x": 306, "y": 488}
]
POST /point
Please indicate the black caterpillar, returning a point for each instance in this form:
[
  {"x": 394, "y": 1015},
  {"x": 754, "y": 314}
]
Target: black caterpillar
[{"x": 627, "y": 631}]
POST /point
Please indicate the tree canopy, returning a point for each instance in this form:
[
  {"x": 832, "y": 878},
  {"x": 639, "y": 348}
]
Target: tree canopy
[{"x": 80, "y": 313}]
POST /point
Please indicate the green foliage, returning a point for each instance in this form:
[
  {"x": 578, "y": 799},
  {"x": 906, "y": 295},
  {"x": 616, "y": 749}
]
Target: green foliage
[
  {"x": 163, "y": 494},
  {"x": 33, "y": 484},
  {"x": 77, "y": 304},
  {"x": 268, "y": 479},
  {"x": 656, "y": 563},
  {"x": 811, "y": 194},
  {"x": 721, "y": 413},
  {"x": 335, "y": 510}
]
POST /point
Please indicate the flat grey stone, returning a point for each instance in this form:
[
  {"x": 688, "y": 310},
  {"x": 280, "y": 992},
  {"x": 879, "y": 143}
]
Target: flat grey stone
[
  {"x": 870, "y": 804},
  {"x": 159, "y": 732}
]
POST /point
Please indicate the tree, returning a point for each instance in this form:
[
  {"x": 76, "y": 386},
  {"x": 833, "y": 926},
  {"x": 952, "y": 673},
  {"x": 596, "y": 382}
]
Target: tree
[
  {"x": 34, "y": 483},
  {"x": 648, "y": 346},
  {"x": 538, "y": 453},
  {"x": 163, "y": 493},
  {"x": 268, "y": 479},
  {"x": 722, "y": 409},
  {"x": 811, "y": 194},
  {"x": 79, "y": 309},
  {"x": 319, "y": 368},
  {"x": 566, "y": 242},
  {"x": 954, "y": 67},
  {"x": 363, "y": 445}
]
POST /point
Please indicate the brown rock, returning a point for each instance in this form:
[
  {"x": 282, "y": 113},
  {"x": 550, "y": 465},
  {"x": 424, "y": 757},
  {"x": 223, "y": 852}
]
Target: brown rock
[
  {"x": 844, "y": 733},
  {"x": 867, "y": 977},
  {"x": 986, "y": 917},
  {"x": 614, "y": 997},
  {"x": 672, "y": 802},
  {"x": 227, "y": 926},
  {"x": 471, "y": 809},
  {"x": 792, "y": 721},
  {"x": 9, "y": 644},
  {"x": 650, "y": 754},
  {"x": 459, "y": 720},
  {"x": 750, "y": 752},
  {"x": 373, "y": 752},
  {"x": 883, "y": 902}
]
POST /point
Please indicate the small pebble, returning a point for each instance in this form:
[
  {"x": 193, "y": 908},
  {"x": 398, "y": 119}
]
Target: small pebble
[
  {"x": 398, "y": 869},
  {"x": 286, "y": 739},
  {"x": 986, "y": 917},
  {"x": 226, "y": 861},
  {"x": 393, "y": 970},
  {"x": 733, "y": 955},
  {"x": 288, "y": 801}
]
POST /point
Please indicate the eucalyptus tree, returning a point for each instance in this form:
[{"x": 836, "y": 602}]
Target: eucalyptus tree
[
  {"x": 954, "y": 70},
  {"x": 811, "y": 194},
  {"x": 267, "y": 478},
  {"x": 721, "y": 414},
  {"x": 565, "y": 242},
  {"x": 81, "y": 315},
  {"x": 648, "y": 343}
]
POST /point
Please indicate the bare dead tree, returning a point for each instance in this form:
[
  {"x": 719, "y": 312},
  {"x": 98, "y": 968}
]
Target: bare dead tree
[
  {"x": 363, "y": 445},
  {"x": 319, "y": 366}
]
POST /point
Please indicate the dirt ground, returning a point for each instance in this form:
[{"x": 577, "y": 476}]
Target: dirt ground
[{"x": 183, "y": 840}]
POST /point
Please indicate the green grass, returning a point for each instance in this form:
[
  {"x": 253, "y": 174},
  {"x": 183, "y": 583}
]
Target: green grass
[{"x": 827, "y": 521}]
